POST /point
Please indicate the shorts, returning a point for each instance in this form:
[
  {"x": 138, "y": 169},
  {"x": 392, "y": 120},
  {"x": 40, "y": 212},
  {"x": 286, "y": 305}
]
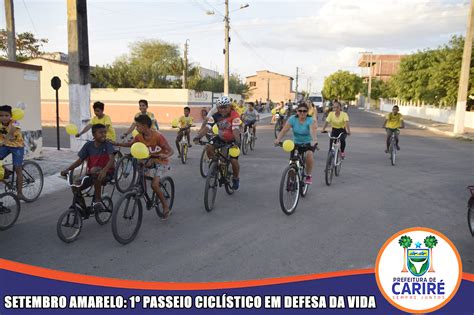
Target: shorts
[
  {"x": 158, "y": 170},
  {"x": 249, "y": 123},
  {"x": 302, "y": 148},
  {"x": 17, "y": 154},
  {"x": 89, "y": 181},
  {"x": 217, "y": 142}
]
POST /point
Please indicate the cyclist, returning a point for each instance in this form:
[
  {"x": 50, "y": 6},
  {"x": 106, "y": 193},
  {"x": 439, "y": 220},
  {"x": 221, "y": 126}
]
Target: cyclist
[
  {"x": 100, "y": 118},
  {"x": 240, "y": 108},
  {"x": 339, "y": 122},
  {"x": 160, "y": 152},
  {"x": 143, "y": 106},
  {"x": 185, "y": 124},
  {"x": 304, "y": 133},
  {"x": 228, "y": 122},
  {"x": 393, "y": 122},
  {"x": 11, "y": 141},
  {"x": 100, "y": 164},
  {"x": 250, "y": 118}
]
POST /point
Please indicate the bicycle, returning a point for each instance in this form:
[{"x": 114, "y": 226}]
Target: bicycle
[
  {"x": 205, "y": 160},
  {"x": 183, "y": 145},
  {"x": 248, "y": 139},
  {"x": 470, "y": 210},
  {"x": 70, "y": 222},
  {"x": 279, "y": 122},
  {"x": 33, "y": 180},
  {"x": 292, "y": 181},
  {"x": 9, "y": 210},
  {"x": 334, "y": 159},
  {"x": 219, "y": 174},
  {"x": 392, "y": 148},
  {"x": 125, "y": 172},
  {"x": 132, "y": 217}
]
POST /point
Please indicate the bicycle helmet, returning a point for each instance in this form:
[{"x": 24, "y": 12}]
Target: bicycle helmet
[{"x": 223, "y": 101}]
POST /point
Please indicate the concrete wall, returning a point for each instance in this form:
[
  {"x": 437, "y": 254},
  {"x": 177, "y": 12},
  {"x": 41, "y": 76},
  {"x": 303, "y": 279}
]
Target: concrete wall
[
  {"x": 429, "y": 112},
  {"x": 20, "y": 87}
]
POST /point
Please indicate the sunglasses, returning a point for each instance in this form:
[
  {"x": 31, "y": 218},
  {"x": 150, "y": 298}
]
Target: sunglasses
[{"x": 302, "y": 111}]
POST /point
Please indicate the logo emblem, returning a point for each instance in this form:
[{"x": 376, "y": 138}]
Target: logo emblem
[{"x": 418, "y": 270}]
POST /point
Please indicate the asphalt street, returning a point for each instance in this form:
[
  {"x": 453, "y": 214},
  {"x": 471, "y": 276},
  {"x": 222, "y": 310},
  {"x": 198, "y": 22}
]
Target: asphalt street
[{"x": 247, "y": 236}]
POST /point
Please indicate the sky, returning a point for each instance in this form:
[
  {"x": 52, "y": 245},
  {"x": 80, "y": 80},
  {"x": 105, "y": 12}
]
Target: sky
[{"x": 319, "y": 37}]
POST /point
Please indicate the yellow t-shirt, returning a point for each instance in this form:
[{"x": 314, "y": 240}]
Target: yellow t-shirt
[
  {"x": 152, "y": 117},
  {"x": 185, "y": 121},
  {"x": 337, "y": 122},
  {"x": 16, "y": 142},
  {"x": 393, "y": 121},
  {"x": 311, "y": 111},
  {"x": 240, "y": 109},
  {"x": 107, "y": 122}
]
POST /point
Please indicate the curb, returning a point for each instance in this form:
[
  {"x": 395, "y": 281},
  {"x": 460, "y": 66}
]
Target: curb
[{"x": 432, "y": 129}]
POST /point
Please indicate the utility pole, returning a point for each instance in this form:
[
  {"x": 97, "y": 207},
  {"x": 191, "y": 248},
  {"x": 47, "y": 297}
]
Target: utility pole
[
  {"x": 464, "y": 77},
  {"x": 11, "y": 38},
  {"x": 268, "y": 89},
  {"x": 185, "y": 70},
  {"x": 226, "y": 49},
  {"x": 296, "y": 92},
  {"x": 79, "y": 79},
  {"x": 367, "y": 104}
]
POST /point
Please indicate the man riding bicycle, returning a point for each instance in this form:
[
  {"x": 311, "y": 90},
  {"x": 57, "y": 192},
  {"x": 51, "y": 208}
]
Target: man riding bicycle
[
  {"x": 185, "y": 123},
  {"x": 393, "y": 122},
  {"x": 250, "y": 118},
  {"x": 228, "y": 123},
  {"x": 304, "y": 134}
]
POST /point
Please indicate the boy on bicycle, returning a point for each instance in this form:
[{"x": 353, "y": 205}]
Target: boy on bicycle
[
  {"x": 100, "y": 164},
  {"x": 160, "y": 152},
  {"x": 100, "y": 118},
  {"x": 143, "y": 107},
  {"x": 11, "y": 141},
  {"x": 393, "y": 122},
  {"x": 250, "y": 118},
  {"x": 185, "y": 124}
]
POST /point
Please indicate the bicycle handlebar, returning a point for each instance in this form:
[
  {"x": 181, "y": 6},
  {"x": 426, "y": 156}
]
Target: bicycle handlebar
[
  {"x": 313, "y": 147},
  {"x": 69, "y": 179},
  {"x": 335, "y": 138}
]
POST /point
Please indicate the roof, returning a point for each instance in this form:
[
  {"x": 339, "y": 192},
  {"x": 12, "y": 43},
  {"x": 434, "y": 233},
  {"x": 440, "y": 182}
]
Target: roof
[
  {"x": 13, "y": 64},
  {"x": 50, "y": 60},
  {"x": 365, "y": 59},
  {"x": 267, "y": 71}
]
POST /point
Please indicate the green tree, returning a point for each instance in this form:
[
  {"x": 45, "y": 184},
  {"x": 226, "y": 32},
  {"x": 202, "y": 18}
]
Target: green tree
[
  {"x": 430, "y": 242},
  {"x": 27, "y": 45},
  {"x": 342, "y": 85},
  {"x": 405, "y": 242},
  {"x": 379, "y": 89}
]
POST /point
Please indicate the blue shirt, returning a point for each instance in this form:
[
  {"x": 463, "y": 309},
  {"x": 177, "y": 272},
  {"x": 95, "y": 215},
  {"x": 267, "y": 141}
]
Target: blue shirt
[{"x": 301, "y": 131}]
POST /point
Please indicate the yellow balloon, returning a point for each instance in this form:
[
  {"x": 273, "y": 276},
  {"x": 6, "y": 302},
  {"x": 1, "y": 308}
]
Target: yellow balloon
[
  {"x": 274, "y": 111},
  {"x": 135, "y": 133},
  {"x": 18, "y": 114},
  {"x": 139, "y": 151},
  {"x": 174, "y": 123},
  {"x": 234, "y": 152},
  {"x": 71, "y": 129},
  {"x": 215, "y": 129},
  {"x": 288, "y": 145}
]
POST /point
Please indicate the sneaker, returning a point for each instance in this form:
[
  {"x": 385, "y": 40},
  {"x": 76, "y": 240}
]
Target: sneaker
[
  {"x": 398, "y": 147},
  {"x": 308, "y": 180},
  {"x": 97, "y": 206},
  {"x": 235, "y": 183},
  {"x": 343, "y": 155}
]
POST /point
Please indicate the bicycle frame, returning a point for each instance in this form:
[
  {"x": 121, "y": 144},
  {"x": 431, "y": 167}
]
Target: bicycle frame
[{"x": 335, "y": 147}]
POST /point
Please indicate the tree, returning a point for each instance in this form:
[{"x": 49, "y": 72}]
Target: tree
[
  {"x": 342, "y": 85},
  {"x": 27, "y": 45},
  {"x": 430, "y": 242},
  {"x": 379, "y": 89},
  {"x": 405, "y": 242}
]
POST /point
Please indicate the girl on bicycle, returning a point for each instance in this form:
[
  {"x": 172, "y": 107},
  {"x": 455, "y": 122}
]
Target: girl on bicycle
[
  {"x": 339, "y": 122},
  {"x": 304, "y": 135}
]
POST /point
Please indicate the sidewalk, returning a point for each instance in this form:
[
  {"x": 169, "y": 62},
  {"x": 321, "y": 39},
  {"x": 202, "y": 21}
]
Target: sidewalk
[{"x": 433, "y": 126}]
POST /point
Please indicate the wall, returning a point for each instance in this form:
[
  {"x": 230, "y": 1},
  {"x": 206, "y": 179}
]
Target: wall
[
  {"x": 20, "y": 87},
  {"x": 429, "y": 112}
]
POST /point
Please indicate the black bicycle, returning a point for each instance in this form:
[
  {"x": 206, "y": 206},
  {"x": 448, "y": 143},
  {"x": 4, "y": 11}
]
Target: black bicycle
[
  {"x": 9, "y": 210},
  {"x": 220, "y": 174},
  {"x": 292, "y": 184},
  {"x": 70, "y": 222},
  {"x": 392, "y": 148},
  {"x": 470, "y": 210},
  {"x": 183, "y": 145},
  {"x": 33, "y": 180},
  {"x": 279, "y": 123},
  {"x": 205, "y": 160},
  {"x": 128, "y": 214}
]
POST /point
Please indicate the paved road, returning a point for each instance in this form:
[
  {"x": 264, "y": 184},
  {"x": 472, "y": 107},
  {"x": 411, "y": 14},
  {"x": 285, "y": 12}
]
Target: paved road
[{"x": 248, "y": 237}]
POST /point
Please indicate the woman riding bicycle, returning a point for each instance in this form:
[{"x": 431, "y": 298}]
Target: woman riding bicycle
[
  {"x": 304, "y": 134},
  {"x": 339, "y": 122}
]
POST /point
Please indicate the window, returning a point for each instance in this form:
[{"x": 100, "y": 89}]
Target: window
[{"x": 253, "y": 83}]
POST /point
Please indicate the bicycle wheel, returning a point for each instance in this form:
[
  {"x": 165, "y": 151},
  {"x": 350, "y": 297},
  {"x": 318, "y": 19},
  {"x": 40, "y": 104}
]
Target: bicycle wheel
[
  {"x": 393, "y": 153},
  {"x": 289, "y": 189},
  {"x": 204, "y": 163},
  {"x": 103, "y": 216},
  {"x": 228, "y": 184},
  {"x": 125, "y": 173},
  {"x": 337, "y": 168},
  {"x": 277, "y": 128},
  {"x": 470, "y": 215},
  {"x": 210, "y": 191},
  {"x": 304, "y": 187},
  {"x": 127, "y": 218},
  {"x": 245, "y": 144},
  {"x": 33, "y": 181},
  {"x": 184, "y": 152},
  {"x": 328, "y": 172},
  {"x": 167, "y": 187},
  {"x": 252, "y": 142},
  {"x": 69, "y": 225},
  {"x": 9, "y": 210}
]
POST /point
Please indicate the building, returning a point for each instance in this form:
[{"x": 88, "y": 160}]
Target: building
[
  {"x": 383, "y": 67},
  {"x": 205, "y": 73},
  {"x": 270, "y": 85}
]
